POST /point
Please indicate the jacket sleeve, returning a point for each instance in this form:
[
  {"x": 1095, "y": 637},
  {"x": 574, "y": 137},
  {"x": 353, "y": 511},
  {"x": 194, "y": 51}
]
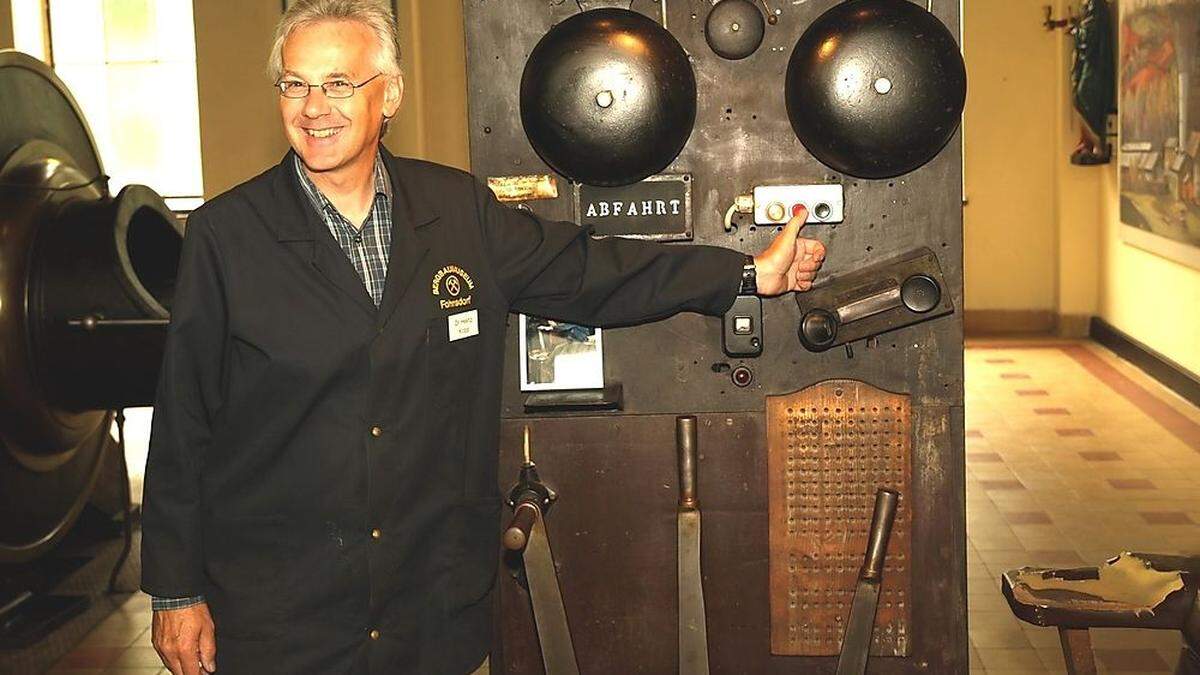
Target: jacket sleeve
[
  {"x": 558, "y": 270},
  {"x": 187, "y": 398}
]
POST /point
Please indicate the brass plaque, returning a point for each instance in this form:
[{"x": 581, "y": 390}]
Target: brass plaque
[
  {"x": 523, "y": 188},
  {"x": 829, "y": 447}
]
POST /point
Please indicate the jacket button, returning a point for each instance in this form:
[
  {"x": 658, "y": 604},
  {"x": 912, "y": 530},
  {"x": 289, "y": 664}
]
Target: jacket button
[
  {"x": 376, "y": 431},
  {"x": 374, "y": 634},
  {"x": 376, "y": 533}
]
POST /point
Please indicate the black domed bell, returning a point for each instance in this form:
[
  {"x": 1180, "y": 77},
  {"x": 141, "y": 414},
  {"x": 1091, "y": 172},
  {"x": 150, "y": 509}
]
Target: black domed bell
[
  {"x": 608, "y": 97},
  {"x": 875, "y": 88},
  {"x": 734, "y": 29}
]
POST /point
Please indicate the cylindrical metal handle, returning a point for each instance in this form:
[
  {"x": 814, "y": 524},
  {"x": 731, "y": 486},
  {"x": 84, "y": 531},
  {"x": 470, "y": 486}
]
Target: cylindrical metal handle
[
  {"x": 886, "y": 502},
  {"x": 516, "y": 535},
  {"x": 92, "y": 323},
  {"x": 685, "y": 443}
]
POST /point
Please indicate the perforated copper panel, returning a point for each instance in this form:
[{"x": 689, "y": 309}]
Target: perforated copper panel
[{"x": 829, "y": 447}]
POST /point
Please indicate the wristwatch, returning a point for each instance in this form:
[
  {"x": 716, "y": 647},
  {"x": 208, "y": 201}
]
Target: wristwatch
[{"x": 749, "y": 278}]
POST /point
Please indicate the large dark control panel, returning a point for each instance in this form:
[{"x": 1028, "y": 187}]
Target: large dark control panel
[{"x": 684, "y": 122}]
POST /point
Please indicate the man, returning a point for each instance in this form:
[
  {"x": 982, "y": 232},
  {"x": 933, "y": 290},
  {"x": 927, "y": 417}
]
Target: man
[{"x": 321, "y": 491}]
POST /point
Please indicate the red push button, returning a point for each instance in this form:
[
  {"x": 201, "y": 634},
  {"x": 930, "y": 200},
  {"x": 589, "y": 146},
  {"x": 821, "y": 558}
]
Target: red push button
[{"x": 797, "y": 208}]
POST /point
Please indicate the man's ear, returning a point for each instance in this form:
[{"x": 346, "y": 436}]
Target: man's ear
[{"x": 392, "y": 95}]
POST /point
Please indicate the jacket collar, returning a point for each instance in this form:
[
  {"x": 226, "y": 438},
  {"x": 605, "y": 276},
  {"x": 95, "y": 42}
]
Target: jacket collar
[
  {"x": 291, "y": 219},
  {"x": 291, "y": 216}
]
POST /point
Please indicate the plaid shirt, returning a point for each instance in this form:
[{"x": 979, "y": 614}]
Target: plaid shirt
[{"x": 367, "y": 248}]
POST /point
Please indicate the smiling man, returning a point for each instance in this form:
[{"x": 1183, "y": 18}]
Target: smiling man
[{"x": 321, "y": 491}]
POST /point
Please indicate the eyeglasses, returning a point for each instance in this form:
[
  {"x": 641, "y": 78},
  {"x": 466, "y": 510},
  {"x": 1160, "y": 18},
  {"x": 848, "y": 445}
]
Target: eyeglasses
[{"x": 332, "y": 88}]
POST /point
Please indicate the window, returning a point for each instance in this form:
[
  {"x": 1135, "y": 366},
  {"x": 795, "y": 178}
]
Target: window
[{"x": 131, "y": 65}]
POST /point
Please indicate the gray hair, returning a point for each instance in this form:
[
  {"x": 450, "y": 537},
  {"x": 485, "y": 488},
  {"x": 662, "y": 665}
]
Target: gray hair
[{"x": 375, "y": 14}]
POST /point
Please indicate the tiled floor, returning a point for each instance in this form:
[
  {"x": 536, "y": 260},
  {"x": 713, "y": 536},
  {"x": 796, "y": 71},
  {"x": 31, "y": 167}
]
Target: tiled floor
[
  {"x": 120, "y": 645},
  {"x": 1072, "y": 456}
]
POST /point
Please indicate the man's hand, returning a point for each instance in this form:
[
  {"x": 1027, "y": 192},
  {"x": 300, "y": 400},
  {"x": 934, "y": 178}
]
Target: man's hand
[
  {"x": 185, "y": 640},
  {"x": 791, "y": 262}
]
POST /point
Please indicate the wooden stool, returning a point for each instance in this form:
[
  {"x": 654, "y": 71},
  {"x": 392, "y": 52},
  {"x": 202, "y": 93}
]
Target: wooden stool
[{"x": 1132, "y": 590}]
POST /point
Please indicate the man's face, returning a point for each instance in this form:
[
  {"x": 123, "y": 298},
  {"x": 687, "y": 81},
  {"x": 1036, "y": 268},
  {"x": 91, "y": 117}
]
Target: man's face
[{"x": 332, "y": 134}]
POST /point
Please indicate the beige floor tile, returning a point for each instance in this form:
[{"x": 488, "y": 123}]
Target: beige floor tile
[
  {"x": 988, "y": 603},
  {"x": 1041, "y": 637},
  {"x": 138, "y": 657},
  {"x": 1001, "y": 658},
  {"x": 996, "y": 630}
]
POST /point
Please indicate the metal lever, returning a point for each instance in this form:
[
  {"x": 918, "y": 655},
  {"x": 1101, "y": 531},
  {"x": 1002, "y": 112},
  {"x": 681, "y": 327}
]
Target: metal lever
[
  {"x": 90, "y": 323},
  {"x": 685, "y": 445},
  {"x": 527, "y": 533},
  {"x": 886, "y": 501},
  {"x": 516, "y": 535},
  {"x": 693, "y": 624}
]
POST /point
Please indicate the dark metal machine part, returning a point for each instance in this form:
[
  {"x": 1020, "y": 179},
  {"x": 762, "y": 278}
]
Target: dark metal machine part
[
  {"x": 734, "y": 29},
  {"x": 74, "y": 261},
  {"x": 856, "y": 645},
  {"x": 876, "y": 88},
  {"x": 620, "y": 523},
  {"x": 829, "y": 447},
  {"x": 608, "y": 97},
  {"x": 693, "y": 623},
  {"x": 873, "y": 300},
  {"x": 742, "y": 336}
]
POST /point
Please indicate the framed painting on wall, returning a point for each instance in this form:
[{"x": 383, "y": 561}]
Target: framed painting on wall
[{"x": 1159, "y": 155}]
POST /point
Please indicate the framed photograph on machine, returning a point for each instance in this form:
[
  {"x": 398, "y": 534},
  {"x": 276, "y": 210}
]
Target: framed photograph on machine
[{"x": 556, "y": 355}]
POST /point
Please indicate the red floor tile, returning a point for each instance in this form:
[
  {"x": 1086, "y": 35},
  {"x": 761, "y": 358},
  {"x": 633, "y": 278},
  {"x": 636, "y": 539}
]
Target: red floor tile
[
  {"x": 1071, "y": 433},
  {"x": 1028, "y": 518},
  {"x": 1100, "y": 456},
  {"x": 1001, "y": 485},
  {"x": 1166, "y": 518}
]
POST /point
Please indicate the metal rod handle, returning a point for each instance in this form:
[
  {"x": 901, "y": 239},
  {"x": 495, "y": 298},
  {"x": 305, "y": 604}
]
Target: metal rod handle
[
  {"x": 90, "y": 323},
  {"x": 886, "y": 502},
  {"x": 516, "y": 535},
  {"x": 685, "y": 444}
]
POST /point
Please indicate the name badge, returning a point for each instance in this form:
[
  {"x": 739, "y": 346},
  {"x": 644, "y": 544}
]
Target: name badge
[{"x": 463, "y": 325}]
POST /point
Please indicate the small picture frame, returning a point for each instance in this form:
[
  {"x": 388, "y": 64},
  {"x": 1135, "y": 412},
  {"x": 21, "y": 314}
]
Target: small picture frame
[{"x": 556, "y": 355}]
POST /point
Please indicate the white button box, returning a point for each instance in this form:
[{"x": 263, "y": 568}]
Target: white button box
[{"x": 774, "y": 204}]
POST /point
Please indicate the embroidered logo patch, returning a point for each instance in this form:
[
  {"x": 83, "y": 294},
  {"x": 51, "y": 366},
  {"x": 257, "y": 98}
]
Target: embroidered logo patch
[{"x": 452, "y": 285}]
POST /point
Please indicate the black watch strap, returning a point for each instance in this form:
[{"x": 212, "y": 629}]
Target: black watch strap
[{"x": 749, "y": 284}]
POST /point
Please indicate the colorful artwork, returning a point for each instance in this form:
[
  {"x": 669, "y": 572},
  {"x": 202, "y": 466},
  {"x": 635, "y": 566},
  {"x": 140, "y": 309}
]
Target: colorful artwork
[{"x": 1160, "y": 126}]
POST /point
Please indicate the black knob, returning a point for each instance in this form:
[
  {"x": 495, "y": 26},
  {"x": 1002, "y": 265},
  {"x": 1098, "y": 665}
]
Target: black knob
[
  {"x": 818, "y": 329},
  {"x": 920, "y": 293}
]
